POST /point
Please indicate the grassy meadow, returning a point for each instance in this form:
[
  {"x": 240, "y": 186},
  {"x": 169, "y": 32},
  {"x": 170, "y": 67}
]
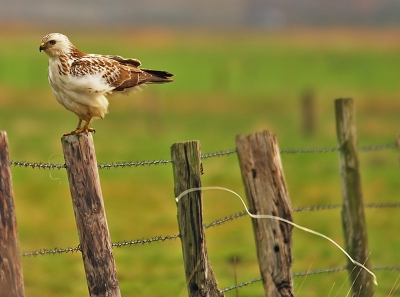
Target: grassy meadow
[{"x": 226, "y": 83}]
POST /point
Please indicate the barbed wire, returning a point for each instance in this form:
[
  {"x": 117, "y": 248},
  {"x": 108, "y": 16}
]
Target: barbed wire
[
  {"x": 213, "y": 224},
  {"x": 45, "y": 252},
  {"x": 316, "y": 207},
  {"x": 378, "y": 147},
  {"x": 309, "y": 150},
  {"x": 132, "y": 164},
  {"x": 238, "y": 286},
  {"x": 226, "y": 219},
  {"x": 38, "y": 165},
  {"x": 144, "y": 240},
  {"x": 382, "y": 205},
  {"x": 119, "y": 244},
  {"x": 336, "y": 206},
  {"x": 335, "y": 149},
  {"x": 308, "y": 273},
  {"x": 219, "y": 154},
  {"x": 204, "y": 156}
]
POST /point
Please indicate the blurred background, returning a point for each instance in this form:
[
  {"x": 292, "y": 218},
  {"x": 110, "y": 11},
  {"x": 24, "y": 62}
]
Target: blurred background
[
  {"x": 241, "y": 66},
  {"x": 210, "y": 14}
]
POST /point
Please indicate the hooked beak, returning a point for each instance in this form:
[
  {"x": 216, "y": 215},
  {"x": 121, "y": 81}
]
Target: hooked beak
[{"x": 42, "y": 47}]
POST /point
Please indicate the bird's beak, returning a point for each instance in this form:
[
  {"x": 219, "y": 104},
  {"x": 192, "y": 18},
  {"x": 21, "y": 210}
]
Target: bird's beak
[{"x": 42, "y": 47}]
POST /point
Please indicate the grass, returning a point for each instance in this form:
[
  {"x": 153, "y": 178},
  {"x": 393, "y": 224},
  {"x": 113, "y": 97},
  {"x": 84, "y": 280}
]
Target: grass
[{"x": 227, "y": 83}]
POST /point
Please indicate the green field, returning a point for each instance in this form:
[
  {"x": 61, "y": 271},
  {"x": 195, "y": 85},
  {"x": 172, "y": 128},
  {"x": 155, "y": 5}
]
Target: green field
[{"x": 226, "y": 83}]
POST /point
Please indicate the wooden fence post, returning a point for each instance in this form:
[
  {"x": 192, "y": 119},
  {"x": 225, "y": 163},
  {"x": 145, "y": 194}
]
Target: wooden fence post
[
  {"x": 11, "y": 279},
  {"x": 308, "y": 112},
  {"x": 353, "y": 218},
  {"x": 90, "y": 216},
  {"x": 200, "y": 278},
  {"x": 266, "y": 193}
]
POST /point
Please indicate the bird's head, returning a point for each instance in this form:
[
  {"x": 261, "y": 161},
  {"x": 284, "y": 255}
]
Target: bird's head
[{"x": 55, "y": 44}]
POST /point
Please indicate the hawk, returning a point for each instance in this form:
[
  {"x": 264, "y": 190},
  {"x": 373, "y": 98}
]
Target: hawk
[{"x": 82, "y": 82}]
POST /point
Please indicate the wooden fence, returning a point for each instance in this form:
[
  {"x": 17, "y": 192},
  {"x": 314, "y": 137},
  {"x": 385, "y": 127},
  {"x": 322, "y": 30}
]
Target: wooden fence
[{"x": 266, "y": 194}]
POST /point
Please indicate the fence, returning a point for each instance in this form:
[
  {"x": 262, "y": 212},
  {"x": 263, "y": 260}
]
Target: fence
[{"x": 262, "y": 174}]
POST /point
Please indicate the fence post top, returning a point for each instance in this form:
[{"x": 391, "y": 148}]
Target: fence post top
[{"x": 74, "y": 137}]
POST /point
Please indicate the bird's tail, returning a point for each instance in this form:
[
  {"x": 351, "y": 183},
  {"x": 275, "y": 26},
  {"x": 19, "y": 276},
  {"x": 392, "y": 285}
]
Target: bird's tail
[{"x": 150, "y": 76}]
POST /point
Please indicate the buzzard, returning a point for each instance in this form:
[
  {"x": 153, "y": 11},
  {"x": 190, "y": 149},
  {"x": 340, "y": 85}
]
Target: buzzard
[{"x": 82, "y": 82}]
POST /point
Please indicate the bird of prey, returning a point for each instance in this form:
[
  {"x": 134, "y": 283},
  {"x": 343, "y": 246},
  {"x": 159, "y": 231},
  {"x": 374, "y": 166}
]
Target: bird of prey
[{"x": 81, "y": 82}]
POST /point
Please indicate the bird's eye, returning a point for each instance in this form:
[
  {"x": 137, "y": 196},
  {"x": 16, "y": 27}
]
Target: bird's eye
[{"x": 52, "y": 42}]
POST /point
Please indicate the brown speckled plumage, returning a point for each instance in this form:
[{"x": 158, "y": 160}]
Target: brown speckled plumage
[{"x": 81, "y": 81}]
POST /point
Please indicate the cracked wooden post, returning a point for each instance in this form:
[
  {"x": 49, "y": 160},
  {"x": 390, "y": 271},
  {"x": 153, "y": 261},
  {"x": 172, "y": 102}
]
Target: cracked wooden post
[
  {"x": 353, "y": 217},
  {"x": 90, "y": 216},
  {"x": 267, "y": 194},
  {"x": 200, "y": 277},
  {"x": 11, "y": 279}
]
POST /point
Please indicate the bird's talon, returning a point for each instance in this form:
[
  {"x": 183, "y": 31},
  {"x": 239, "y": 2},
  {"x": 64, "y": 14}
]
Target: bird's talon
[
  {"x": 80, "y": 130},
  {"x": 70, "y": 133}
]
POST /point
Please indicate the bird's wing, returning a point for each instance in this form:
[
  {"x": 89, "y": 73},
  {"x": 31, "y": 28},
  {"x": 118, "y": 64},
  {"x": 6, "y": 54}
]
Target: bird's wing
[
  {"x": 117, "y": 72},
  {"x": 123, "y": 60}
]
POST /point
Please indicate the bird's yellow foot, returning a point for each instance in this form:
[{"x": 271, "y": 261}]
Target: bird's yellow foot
[{"x": 80, "y": 130}]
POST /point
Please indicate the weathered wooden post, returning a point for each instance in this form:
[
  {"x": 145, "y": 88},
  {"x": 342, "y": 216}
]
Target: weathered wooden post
[
  {"x": 308, "y": 112},
  {"x": 353, "y": 217},
  {"x": 200, "y": 277},
  {"x": 11, "y": 279},
  {"x": 90, "y": 216},
  {"x": 267, "y": 194}
]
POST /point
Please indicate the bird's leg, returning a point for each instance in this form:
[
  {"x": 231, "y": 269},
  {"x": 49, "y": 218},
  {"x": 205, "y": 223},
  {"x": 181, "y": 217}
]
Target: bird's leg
[
  {"x": 79, "y": 124},
  {"x": 84, "y": 129}
]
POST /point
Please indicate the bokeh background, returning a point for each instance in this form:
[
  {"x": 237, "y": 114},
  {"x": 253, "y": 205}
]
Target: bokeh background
[{"x": 240, "y": 66}]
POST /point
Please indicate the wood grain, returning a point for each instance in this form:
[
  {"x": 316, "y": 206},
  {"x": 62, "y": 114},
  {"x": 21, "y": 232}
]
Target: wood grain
[
  {"x": 200, "y": 277},
  {"x": 353, "y": 217},
  {"x": 267, "y": 194},
  {"x": 90, "y": 216},
  {"x": 11, "y": 279}
]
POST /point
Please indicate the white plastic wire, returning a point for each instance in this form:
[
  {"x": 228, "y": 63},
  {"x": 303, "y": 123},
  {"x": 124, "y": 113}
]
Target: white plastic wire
[{"x": 261, "y": 216}]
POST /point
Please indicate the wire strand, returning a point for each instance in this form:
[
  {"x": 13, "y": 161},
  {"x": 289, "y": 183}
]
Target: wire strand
[
  {"x": 309, "y": 272},
  {"x": 204, "y": 156},
  {"x": 44, "y": 252},
  {"x": 265, "y": 216}
]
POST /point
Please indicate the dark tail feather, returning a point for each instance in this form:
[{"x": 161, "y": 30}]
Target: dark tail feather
[{"x": 155, "y": 76}]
